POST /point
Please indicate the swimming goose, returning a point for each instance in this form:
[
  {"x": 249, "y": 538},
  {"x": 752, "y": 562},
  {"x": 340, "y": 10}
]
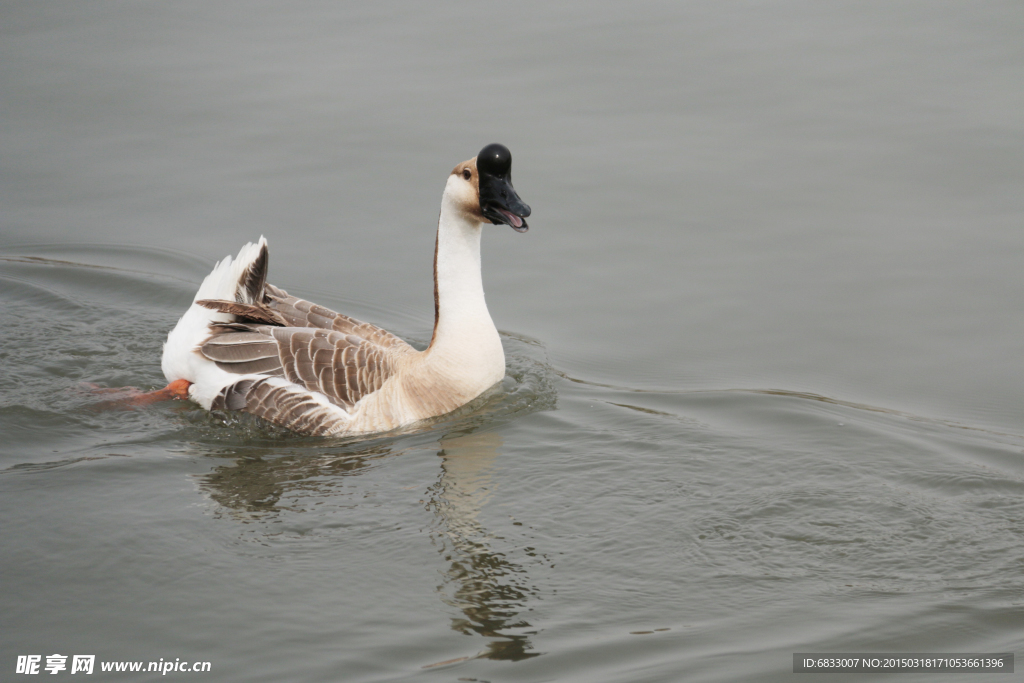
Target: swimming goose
[{"x": 247, "y": 345}]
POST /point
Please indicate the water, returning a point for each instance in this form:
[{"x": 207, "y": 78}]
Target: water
[{"x": 764, "y": 337}]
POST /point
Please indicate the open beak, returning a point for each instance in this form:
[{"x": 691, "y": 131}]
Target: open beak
[{"x": 499, "y": 201}]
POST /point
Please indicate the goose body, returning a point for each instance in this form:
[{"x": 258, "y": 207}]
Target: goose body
[{"x": 247, "y": 345}]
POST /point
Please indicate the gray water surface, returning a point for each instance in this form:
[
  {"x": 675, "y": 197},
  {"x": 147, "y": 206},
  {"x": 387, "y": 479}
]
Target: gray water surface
[{"x": 765, "y": 337}]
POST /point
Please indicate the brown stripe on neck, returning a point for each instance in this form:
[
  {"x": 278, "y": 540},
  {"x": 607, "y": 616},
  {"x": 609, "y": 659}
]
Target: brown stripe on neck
[{"x": 437, "y": 298}]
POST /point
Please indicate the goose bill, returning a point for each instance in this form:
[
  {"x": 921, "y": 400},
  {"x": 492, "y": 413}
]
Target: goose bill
[{"x": 500, "y": 203}]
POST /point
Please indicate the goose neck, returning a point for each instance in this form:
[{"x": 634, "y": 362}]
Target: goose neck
[{"x": 462, "y": 325}]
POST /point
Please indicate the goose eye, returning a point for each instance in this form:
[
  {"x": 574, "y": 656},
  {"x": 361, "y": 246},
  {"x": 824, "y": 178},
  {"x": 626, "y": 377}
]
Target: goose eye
[{"x": 467, "y": 174}]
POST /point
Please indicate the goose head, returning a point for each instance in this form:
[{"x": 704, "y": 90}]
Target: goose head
[{"x": 483, "y": 189}]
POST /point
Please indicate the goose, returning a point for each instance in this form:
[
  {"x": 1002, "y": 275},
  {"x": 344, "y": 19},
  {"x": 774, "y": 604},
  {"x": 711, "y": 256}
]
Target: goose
[{"x": 246, "y": 345}]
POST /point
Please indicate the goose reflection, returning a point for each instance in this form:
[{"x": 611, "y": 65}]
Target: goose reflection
[
  {"x": 489, "y": 590},
  {"x": 256, "y": 484}
]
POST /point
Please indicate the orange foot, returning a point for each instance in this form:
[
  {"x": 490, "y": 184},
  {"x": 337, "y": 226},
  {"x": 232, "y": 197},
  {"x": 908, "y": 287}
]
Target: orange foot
[{"x": 130, "y": 397}]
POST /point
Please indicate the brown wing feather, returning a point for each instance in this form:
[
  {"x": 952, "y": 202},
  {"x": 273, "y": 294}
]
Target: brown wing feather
[
  {"x": 297, "y": 312},
  {"x": 289, "y": 406},
  {"x": 256, "y": 313},
  {"x": 343, "y": 367}
]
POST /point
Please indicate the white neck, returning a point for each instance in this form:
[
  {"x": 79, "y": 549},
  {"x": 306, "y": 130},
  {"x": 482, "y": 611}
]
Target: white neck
[{"x": 465, "y": 339}]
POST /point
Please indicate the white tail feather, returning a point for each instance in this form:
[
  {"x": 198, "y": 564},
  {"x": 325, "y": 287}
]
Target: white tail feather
[{"x": 224, "y": 282}]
